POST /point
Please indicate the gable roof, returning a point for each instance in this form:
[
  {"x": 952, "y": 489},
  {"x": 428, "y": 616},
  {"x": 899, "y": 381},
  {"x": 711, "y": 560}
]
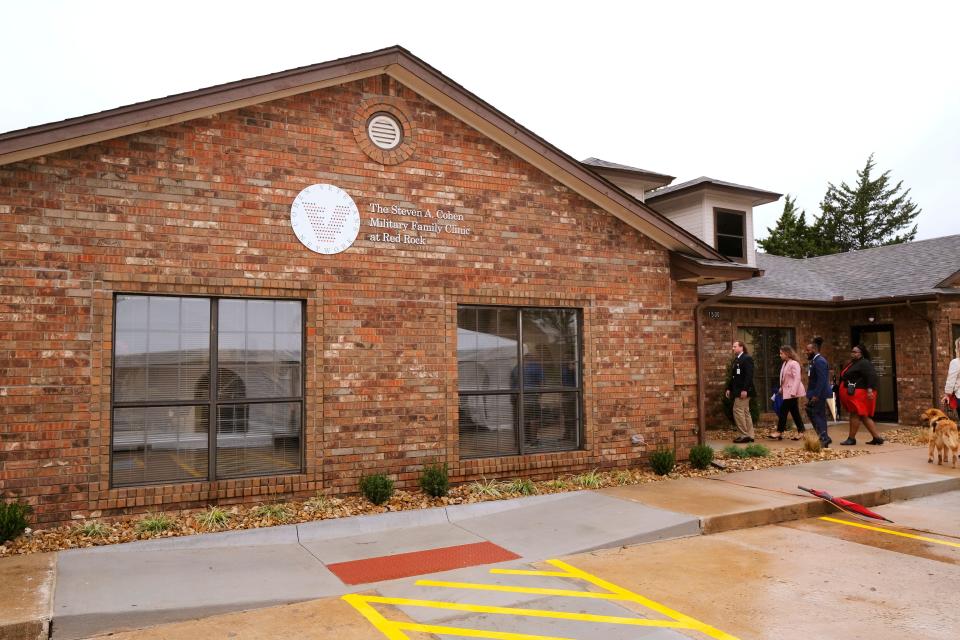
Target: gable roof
[
  {"x": 394, "y": 61},
  {"x": 627, "y": 169},
  {"x": 923, "y": 268},
  {"x": 760, "y": 196}
]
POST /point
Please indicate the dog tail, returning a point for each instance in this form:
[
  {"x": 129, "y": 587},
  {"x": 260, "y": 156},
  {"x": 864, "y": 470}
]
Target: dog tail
[{"x": 952, "y": 439}]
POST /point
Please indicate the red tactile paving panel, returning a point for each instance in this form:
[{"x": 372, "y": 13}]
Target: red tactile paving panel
[{"x": 416, "y": 563}]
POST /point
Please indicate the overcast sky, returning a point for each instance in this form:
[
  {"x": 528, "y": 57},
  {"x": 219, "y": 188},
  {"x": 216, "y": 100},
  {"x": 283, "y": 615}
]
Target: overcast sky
[{"x": 780, "y": 96}]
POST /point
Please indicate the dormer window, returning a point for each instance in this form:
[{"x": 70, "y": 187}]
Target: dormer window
[{"x": 731, "y": 234}]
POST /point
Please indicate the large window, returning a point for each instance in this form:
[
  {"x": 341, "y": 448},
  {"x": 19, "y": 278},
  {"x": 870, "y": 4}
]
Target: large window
[
  {"x": 520, "y": 387},
  {"x": 180, "y": 361},
  {"x": 731, "y": 233},
  {"x": 763, "y": 344}
]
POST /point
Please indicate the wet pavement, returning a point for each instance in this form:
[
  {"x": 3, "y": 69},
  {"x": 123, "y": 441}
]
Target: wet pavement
[
  {"x": 161, "y": 581},
  {"x": 833, "y": 577}
]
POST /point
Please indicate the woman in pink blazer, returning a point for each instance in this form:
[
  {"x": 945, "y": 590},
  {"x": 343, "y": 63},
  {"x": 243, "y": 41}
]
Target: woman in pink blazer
[{"x": 791, "y": 388}]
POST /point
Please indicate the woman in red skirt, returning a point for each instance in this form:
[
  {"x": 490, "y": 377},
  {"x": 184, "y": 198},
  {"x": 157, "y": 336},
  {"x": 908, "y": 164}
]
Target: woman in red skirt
[{"x": 858, "y": 394}]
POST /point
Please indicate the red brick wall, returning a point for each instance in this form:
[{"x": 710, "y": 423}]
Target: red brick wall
[
  {"x": 203, "y": 208},
  {"x": 911, "y": 338}
]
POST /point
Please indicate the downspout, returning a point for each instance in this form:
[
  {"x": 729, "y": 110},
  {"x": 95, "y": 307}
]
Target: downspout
[
  {"x": 701, "y": 395},
  {"x": 931, "y": 326}
]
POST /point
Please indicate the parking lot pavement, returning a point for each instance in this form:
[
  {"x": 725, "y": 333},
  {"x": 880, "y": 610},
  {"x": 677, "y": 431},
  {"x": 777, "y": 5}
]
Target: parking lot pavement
[
  {"x": 814, "y": 578},
  {"x": 560, "y": 601}
]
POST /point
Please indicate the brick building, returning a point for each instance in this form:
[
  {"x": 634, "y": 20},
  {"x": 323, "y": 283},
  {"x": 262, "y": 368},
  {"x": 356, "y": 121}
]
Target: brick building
[
  {"x": 271, "y": 287},
  {"x": 901, "y": 301}
]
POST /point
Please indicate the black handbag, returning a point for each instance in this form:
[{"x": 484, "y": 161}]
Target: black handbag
[{"x": 851, "y": 388}]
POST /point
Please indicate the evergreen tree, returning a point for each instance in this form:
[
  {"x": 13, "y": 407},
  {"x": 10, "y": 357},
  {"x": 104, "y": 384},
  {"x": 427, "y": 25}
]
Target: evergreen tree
[
  {"x": 791, "y": 237},
  {"x": 871, "y": 214}
]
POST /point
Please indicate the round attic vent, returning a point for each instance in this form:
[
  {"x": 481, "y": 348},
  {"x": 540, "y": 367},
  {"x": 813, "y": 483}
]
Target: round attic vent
[{"x": 384, "y": 131}]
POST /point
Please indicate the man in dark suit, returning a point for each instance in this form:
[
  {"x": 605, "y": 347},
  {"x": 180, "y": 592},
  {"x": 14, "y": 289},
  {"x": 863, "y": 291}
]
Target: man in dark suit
[
  {"x": 818, "y": 390},
  {"x": 741, "y": 389}
]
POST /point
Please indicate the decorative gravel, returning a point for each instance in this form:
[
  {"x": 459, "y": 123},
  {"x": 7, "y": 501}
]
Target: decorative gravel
[{"x": 185, "y": 523}]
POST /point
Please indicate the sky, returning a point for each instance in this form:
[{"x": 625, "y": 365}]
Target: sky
[{"x": 781, "y": 96}]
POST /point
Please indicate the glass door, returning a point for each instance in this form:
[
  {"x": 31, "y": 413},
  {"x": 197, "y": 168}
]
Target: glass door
[{"x": 879, "y": 342}]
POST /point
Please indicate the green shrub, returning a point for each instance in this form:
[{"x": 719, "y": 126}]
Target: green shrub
[
  {"x": 662, "y": 461},
  {"x": 701, "y": 456},
  {"x": 377, "y": 488},
  {"x": 155, "y": 523},
  {"x": 13, "y": 519},
  {"x": 757, "y": 451},
  {"x": 435, "y": 480},
  {"x": 733, "y": 451}
]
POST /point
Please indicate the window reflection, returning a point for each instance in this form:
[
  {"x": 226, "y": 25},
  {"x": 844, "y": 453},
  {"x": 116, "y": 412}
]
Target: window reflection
[{"x": 519, "y": 380}]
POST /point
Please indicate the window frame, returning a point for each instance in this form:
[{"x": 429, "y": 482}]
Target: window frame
[
  {"x": 213, "y": 402},
  {"x": 717, "y": 234},
  {"x": 760, "y": 372},
  {"x": 522, "y": 448}
]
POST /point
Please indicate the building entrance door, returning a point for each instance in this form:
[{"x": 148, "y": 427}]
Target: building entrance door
[{"x": 878, "y": 339}]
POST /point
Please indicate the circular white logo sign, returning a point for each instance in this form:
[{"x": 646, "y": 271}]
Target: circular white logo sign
[{"x": 325, "y": 218}]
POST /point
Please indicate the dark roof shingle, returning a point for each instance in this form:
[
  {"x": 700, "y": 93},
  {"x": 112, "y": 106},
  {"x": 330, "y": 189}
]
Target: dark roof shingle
[{"x": 895, "y": 271}]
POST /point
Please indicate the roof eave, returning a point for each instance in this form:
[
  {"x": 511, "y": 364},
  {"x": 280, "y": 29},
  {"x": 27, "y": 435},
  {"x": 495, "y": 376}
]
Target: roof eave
[
  {"x": 686, "y": 269},
  {"x": 399, "y": 64},
  {"x": 832, "y": 304},
  {"x": 650, "y": 176},
  {"x": 759, "y": 196}
]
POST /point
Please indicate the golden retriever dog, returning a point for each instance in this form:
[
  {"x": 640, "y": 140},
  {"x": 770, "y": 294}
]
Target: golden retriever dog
[{"x": 943, "y": 436}]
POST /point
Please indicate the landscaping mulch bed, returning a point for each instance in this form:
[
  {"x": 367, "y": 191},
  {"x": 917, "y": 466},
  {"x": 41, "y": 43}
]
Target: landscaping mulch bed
[
  {"x": 916, "y": 436},
  {"x": 86, "y": 533}
]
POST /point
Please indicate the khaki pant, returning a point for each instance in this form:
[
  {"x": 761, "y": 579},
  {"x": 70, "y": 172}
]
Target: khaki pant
[{"x": 742, "y": 417}]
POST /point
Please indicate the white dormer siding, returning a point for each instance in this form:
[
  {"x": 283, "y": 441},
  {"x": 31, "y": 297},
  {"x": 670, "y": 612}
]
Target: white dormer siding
[{"x": 696, "y": 212}]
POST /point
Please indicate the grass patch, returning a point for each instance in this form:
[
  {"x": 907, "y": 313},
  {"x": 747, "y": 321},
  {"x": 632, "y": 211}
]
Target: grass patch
[
  {"x": 319, "y": 502},
  {"x": 93, "y": 529},
  {"x": 811, "y": 442},
  {"x": 279, "y": 511},
  {"x": 155, "y": 523},
  {"x": 213, "y": 518},
  {"x": 750, "y": 451},
  {"x": 488, "y": 488},
  {"x": 589, "y": 480},
  {"x": 757, "y": 451},
  {"x": 524, "y": 487}
]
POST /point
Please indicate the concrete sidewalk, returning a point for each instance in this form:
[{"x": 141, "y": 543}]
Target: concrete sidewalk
[{"x": 138, "y": 584}]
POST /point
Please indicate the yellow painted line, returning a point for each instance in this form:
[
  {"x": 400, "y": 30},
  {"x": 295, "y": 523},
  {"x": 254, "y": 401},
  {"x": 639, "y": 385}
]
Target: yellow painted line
[
  {"x": 386, "y": 627},
  {"x": 624, "y": 594},
  {"x": 190, "y": 469},
  {"x": 525, "y": 572},
  {"x": 471, "y": 633},
  {"x": 393, "y": 630},
  {"x": 566, "y": 593},
  {"x": 514, "y": 611},
  {"x": 891, "y": 532}
]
